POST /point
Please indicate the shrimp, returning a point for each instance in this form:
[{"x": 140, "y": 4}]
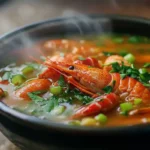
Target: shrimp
[
  {"x": 32, "y": 86},
  {"x": 102, "y": 103},
  {"x": 54, "y": 75},
  {"x": 93, "y": 80},
  {"x": 49, "y": 74},
  {"x": 114, "y": 58},
  {"x": 82, "y": 76}
]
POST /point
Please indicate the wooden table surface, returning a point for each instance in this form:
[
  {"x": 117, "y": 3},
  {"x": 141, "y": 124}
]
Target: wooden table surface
[{"x": 17, "y": 13}]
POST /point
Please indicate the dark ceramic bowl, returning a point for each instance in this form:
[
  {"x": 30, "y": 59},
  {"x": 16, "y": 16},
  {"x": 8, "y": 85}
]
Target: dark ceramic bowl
[{"x": 29, "y": 132}]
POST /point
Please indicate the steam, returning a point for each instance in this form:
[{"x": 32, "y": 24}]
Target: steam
[
  {"x": 85, "y": 23},
  {"x": 82, "y": 23}
]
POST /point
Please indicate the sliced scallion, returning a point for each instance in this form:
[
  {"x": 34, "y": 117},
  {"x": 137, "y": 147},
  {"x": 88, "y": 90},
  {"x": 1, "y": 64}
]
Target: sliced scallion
[
  {"x": 27, "y": 70},
  {"x": 125, "y": 107},
  {"x": 18, "y": 79},
  {"x": 101, "y": 118},
  {"x": 56, "y": 90},
  {"x": 137, "y": 101},
  {"x": 142, "y": 70},
  {"x": 118, "y": 40},
  {"x": 75, "y": 122},
  {"x": 130, "y": 58},
  {"x": 58, "y": 110}
]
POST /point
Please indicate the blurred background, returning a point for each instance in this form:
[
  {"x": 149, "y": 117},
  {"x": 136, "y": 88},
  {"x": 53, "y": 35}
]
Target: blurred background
[{"x": 17, "y": 13}]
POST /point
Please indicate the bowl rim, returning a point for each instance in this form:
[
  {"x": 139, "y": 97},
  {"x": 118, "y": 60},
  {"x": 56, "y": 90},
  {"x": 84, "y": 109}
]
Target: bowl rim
[{"x": 32, "y": 121}]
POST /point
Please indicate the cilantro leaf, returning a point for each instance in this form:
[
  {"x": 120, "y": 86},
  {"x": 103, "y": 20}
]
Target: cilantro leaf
[
  {"x": 108, "y": 53},
  {"x": 82, "y": 97},
  {"x": 121, "y": 53},
  {"x": 132, "y": 72},
  {"x": 115, "y": 67},
  {"x": 52, "y": 103},
  {"x": 147, "y": 65},
  {"x": 81, "y": 58},
  {"x": 39, "y": 92},
  {"x": 35, "y": 97},
  {"x": 108, "y": 89},
  {"x": 123, "y": 76},
  {"x": 61, "y": 81}
]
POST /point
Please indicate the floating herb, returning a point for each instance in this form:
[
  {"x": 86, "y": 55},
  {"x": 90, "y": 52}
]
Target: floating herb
[
  {"x": 131, "y": 71},
  {"x": 147, "y": 65},
  {"x": 61, "y": 81}
]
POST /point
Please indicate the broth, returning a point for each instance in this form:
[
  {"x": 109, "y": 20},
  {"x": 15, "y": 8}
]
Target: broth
[{"x": 86, "y": 81}]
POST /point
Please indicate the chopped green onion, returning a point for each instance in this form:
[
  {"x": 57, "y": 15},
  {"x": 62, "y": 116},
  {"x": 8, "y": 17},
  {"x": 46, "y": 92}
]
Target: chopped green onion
[
  {"x": 138, "y": 39},
  {"x": 74, "y": 122},
  {"x": 81, "y": 58},
  {"x": 56, "y": 90},
  {"x": 125, "y": 107},
  {"x": 101, "y": 118},
  {"x": 58, "y": 110},
  {"x": 124, "y": 113},
  {"x": 142, "y": 70},
  {"x": 18, "y": 79},
  {"x": 122, "y": 53},
  {"x": 118, "y": 40},
  {"x": 35, "y": 97},
  {"x": 27, "y": 70},
  {"x": 134, "y": 39},
  {"x": 6, "y": 76},
  {"x": 130, "y": 58},
  {"x": 123, "y": 76},
  {"x": 108, "y": 89},
  {"x": 61, "y": 81},
  {"x": 146, "y": 65},
  {"x": 137, "y": 101}
]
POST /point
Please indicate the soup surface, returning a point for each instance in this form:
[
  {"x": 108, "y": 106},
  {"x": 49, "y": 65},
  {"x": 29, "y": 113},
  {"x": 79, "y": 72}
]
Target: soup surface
[{"x": 88, "y": 81}]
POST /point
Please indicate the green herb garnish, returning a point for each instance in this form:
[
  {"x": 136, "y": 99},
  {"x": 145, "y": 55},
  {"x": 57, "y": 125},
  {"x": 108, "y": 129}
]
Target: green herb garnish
[
  {"x": 56, "y": 90},
  {"x": 131, "y": 71},
  {"x": 147, "y": 65},
  {"x": 137, "y": 101},
  {"x": 130, "y": 58},
  {"x": 6, "y": 75},
  {"x": 121, "y": 53},
  {"x": 125, "y": 107},
  {"x": 82, "y": 97},
  {"x": 61, "y": 81},
  {"x": 118, "y": 40},
  {"x": 81, "y": 58},
  {"x": 101, "y": 118},
  {"x": 35, "y": 97},
  {"x": 52, "y": 103},
  {"x": 108, "y": 89},
  {"x": 18, "y": 79},
  {"x": 109, "y": 53}
]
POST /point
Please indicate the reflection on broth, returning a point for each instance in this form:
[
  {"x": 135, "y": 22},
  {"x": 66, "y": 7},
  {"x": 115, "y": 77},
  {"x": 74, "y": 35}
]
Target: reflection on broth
[{"x": 86, "y": 81}]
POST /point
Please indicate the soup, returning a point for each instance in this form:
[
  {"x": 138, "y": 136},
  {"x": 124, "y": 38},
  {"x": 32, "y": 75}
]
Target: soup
[{"x": 94, "y": 81}]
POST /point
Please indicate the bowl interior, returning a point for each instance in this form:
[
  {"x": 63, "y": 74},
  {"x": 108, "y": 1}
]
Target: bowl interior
[{"x": 26, "y": 37}]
